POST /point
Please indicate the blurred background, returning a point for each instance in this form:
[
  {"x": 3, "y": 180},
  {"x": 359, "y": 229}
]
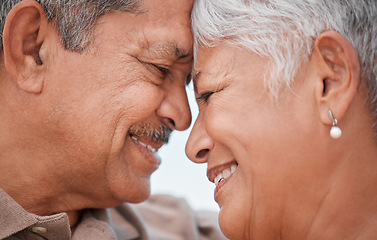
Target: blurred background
[{"x": 180, "y": 177}]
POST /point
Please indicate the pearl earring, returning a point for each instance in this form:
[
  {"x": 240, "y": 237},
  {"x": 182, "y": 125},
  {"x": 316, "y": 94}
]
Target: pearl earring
[{"x": 335, "y": 131}]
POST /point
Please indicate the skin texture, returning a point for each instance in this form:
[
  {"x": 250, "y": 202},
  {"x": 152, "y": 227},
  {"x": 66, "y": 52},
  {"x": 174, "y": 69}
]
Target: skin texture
[
  {"x": 293, "y": 181},
  {"x": 66, "y": 116}
]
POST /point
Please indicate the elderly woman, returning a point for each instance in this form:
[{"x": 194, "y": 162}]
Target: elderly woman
[{"x": 287, "y": 96}]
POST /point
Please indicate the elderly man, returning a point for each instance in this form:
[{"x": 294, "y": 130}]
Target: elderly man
[{"x": 89, "y": 91}]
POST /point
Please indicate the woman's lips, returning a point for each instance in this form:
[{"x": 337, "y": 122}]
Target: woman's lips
[
  {"x": 225, "y": 174},
  {"x": 218, "y": 172},
  {"x": 222, "y": 178},
  {"x": 220, "y": 175}
]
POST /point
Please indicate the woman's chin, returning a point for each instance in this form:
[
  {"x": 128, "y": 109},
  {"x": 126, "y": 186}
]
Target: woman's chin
[
  {"x": 232, "y": 221},
  {"x": 226, "y": 229}
]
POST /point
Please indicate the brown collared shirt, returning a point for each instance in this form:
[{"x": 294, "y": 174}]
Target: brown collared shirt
[{"x": 161, "y": 217}]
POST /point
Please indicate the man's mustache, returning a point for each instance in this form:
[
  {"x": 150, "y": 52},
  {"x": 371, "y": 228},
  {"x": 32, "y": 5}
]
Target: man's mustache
[{"x": 158, "y": 134}]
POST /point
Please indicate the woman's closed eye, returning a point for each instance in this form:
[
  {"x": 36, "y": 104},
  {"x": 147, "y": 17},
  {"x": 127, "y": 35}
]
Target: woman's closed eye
[{"x": 204, "y": 97}]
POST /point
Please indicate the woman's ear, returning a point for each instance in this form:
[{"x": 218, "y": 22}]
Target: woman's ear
[
  {"x": 24, "y": 33},
  {"x": 337, "y": 73}
]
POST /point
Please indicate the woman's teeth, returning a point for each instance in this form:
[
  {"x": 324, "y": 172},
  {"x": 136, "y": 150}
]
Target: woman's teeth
[
  {"x": 144, "y": 145},
  {"x": 225, "y": 174}
]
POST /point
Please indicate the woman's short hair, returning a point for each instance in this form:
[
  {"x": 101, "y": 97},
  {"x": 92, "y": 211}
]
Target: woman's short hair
[{"x": 284, "y": 31}]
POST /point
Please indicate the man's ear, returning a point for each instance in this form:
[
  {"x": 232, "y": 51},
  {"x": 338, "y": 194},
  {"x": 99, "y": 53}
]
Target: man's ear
[
  {"x": 337, "y": 73},
  {"x": 24, "y": 32}
]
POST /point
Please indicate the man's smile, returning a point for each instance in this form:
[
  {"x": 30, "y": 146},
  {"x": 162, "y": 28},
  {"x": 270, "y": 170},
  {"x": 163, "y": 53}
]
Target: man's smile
[{"x": 151, "y": 145}]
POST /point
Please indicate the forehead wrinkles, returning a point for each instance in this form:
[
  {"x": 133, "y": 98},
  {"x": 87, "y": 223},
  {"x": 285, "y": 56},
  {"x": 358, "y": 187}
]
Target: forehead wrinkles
[
  {"x": 215, "y": 66},
  {"x": 163, "y": 11},
  {"x": 165, "y": 49},
  {"x": 161, "y": 34},
  {"x": 222, "y": 71},
  {"x": 170, "y": 49}
]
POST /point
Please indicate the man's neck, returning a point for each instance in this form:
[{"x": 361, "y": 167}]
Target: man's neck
[{"x": 74, "y": 218}]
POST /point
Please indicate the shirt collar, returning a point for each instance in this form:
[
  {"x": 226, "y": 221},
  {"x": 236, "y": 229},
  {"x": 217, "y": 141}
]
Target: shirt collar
[
  {"x": 16, "y": 220},
  {"x": 13, "y": 217},
  {"x": 94, "y": 223}
]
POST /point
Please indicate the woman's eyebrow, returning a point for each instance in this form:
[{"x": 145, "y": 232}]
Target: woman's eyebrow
[{"x": 195, "y": 78}]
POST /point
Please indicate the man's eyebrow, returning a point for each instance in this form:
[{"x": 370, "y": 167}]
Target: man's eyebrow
[
  {"x": 181, "y": 53},
  {"x": 171, "y": 49}
]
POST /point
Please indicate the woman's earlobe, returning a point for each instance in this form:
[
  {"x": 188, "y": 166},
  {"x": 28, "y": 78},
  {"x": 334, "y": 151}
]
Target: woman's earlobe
[{"x": 24, "y": 33}]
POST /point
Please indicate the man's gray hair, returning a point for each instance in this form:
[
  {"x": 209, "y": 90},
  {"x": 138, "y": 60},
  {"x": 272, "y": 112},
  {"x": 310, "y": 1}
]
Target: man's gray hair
[
  {"x": 284, "y": 31},
  {"x": 74, "y": 19}
]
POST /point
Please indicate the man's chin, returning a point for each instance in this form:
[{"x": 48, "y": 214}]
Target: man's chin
[
  {"x": 140, "y": 199},
  {"x": 139, "y": 196},
  {"x": 136, "y": 193}
]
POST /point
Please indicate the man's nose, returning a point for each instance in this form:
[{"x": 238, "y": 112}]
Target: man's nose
[
  {"x": 199, "y": 143},
  {"x": 174, "y": 108}
]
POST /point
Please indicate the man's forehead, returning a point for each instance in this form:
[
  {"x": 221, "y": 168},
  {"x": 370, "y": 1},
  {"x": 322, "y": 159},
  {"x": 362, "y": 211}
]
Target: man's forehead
[
  {"x": 169, "y": 7},
  {"x": 167, "y": 12}
]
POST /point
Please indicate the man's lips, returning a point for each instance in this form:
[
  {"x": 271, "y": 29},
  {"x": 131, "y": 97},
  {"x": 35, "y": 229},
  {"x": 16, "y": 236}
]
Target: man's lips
[
  {"x": 148, "y": 143},
  {"x": 147, "y": 148}
]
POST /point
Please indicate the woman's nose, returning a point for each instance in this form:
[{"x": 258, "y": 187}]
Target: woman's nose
[{"x": 199, "y": 143}]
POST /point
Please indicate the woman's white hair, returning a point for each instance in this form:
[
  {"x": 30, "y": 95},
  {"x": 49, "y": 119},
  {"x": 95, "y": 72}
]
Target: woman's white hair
[{"x": 284, "y": 31}]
